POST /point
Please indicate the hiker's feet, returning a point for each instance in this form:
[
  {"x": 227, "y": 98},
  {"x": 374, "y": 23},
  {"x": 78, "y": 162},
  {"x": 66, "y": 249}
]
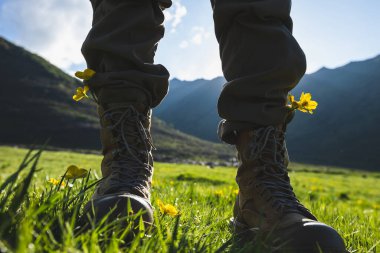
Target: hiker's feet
[
  {"x": 127, "y": 166},
  {"x": 267, "y": 207}
]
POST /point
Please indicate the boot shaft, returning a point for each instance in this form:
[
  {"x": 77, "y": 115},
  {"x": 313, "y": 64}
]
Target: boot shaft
[
  {"x": 127, "y": 165},
  {"x": 261, "y": 148},
  {"x": 125, "y": 127},
  {"x": 266, "y": 195}
]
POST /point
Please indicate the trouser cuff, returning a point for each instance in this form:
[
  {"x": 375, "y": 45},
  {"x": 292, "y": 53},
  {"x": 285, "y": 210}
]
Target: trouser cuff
[
  {"x": 228, "y": 130},
  {"x": 121, "y": 46},
  {"x": 164, "y": 4},
  {"x": 121, "y": 87}
]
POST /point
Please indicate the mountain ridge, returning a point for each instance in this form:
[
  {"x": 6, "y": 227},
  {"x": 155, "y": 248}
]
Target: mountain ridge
[
  {"x": 36, "y": 101},
  {"x": 342, "y": 131}
]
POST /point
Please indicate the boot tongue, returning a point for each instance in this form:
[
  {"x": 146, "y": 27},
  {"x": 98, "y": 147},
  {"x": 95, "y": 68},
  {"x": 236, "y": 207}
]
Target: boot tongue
[
  {"x": 263, "y": 146},
  {"x": 130, "y": 123}
]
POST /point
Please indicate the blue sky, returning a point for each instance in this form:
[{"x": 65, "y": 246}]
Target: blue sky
[{"x": 331, "y": 32}]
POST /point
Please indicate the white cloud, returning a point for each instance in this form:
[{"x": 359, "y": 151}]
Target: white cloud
[
  {"x": 184, "y": 44},
  {"x": 206, "y": 64},
  {"x": 174, "y": 15},
  {"x": 54, "y": 29},
  {"x": 200, "y": 34}
]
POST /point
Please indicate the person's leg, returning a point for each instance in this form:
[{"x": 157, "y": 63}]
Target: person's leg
[
  {"x": 120, "y": 48},
  {"x": 262, "y": 62}
]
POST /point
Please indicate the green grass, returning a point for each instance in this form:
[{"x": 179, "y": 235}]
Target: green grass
[{"x": 43, "y": 220}]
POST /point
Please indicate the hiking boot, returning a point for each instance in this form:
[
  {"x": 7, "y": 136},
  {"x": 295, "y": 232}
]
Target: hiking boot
[
  {"x": 127, "y": 166},
  {"x": 266, "y": 206}
]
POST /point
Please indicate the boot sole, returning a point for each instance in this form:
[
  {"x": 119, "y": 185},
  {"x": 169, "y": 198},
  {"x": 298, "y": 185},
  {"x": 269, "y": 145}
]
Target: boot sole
[
  {"x": 123, "y": 207},
  {"x": 276, "y": 244}
]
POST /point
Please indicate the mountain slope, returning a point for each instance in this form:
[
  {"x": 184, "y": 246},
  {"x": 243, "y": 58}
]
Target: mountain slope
[
  {"x": 36, "y": 103},
  {"x": 344, "y": 129},
  {"x": 342, "y": 132},
  {"x": 191, "y": 107}
]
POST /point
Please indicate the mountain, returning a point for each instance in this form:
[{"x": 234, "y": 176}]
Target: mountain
[
  {"x": 344, "y": 129},
  {"x": 36, "y": 104},
  {"x": 342, "y": 132},
  {"x": 191, "y": 107}
]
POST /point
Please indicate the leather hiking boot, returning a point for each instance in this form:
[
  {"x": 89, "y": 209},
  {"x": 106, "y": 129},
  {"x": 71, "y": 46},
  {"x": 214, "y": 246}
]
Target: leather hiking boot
[
  {"x": 266, "y": 206},
  {"x": 127, "y": 166}
]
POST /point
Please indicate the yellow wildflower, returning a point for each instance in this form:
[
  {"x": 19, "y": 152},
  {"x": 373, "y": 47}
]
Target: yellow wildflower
[
  {"x": 304, "y": 105},
  {"x": 85, "y": 75},
  {"x": 167, "y": 209},
  {"x": 73, "y": 172},
  {"x": 81, "y": 93},
  {"x": 219, "y": 193},
  {"x": 293, "y": 103},
  {"x": 359, "y": 202},
  {"x": 56, "y": 182},
  {"x": 236, "y": 192}
]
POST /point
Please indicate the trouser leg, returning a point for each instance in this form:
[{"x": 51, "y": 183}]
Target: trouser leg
[
  {"x": 121, "y": 46},
  {"x": 261, "y": 62}
]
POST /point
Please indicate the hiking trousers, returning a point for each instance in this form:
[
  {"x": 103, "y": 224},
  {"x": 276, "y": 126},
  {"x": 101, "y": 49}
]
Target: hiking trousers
[{"x": 261, "y": 60}]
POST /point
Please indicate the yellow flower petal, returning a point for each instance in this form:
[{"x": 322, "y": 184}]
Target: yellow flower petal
[
  {"x": 291, "y": 98},
  {"x": 73, "y": 172},
  {"x": 312, "y": 105},
  {"x": 56, "y": 182},
  {"x": 81, "y": 93},
  {"x": 305, "y": 97},
  {"x": 53, "y": 181},
  {"x": 160, "y": 205},
  {"x": 219, "y": 193},
  {"x": 77, "y": 98},
  {"x": 167, "y": 209},
  {"x": 305, "y": 104},
  {"x": 79, "y": 74},
  {"x": 86, "y": 74}
]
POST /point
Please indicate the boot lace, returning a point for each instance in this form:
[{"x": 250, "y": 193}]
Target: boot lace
[
  {"x": 132, "y": 166},
  {"x": 272, "y": 180}
]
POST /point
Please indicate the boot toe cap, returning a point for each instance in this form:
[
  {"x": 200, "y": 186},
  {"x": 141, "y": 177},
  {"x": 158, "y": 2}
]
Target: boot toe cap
[
  {"x": 115, "y": 206},
  {"x": 313, "y": 237}
]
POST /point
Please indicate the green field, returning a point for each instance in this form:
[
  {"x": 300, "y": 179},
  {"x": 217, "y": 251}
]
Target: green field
[{"x": 43, "y": 218}]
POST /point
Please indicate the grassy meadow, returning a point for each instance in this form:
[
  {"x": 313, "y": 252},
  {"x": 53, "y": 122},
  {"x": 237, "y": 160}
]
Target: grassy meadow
[{"x": 36, "y": 216}]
